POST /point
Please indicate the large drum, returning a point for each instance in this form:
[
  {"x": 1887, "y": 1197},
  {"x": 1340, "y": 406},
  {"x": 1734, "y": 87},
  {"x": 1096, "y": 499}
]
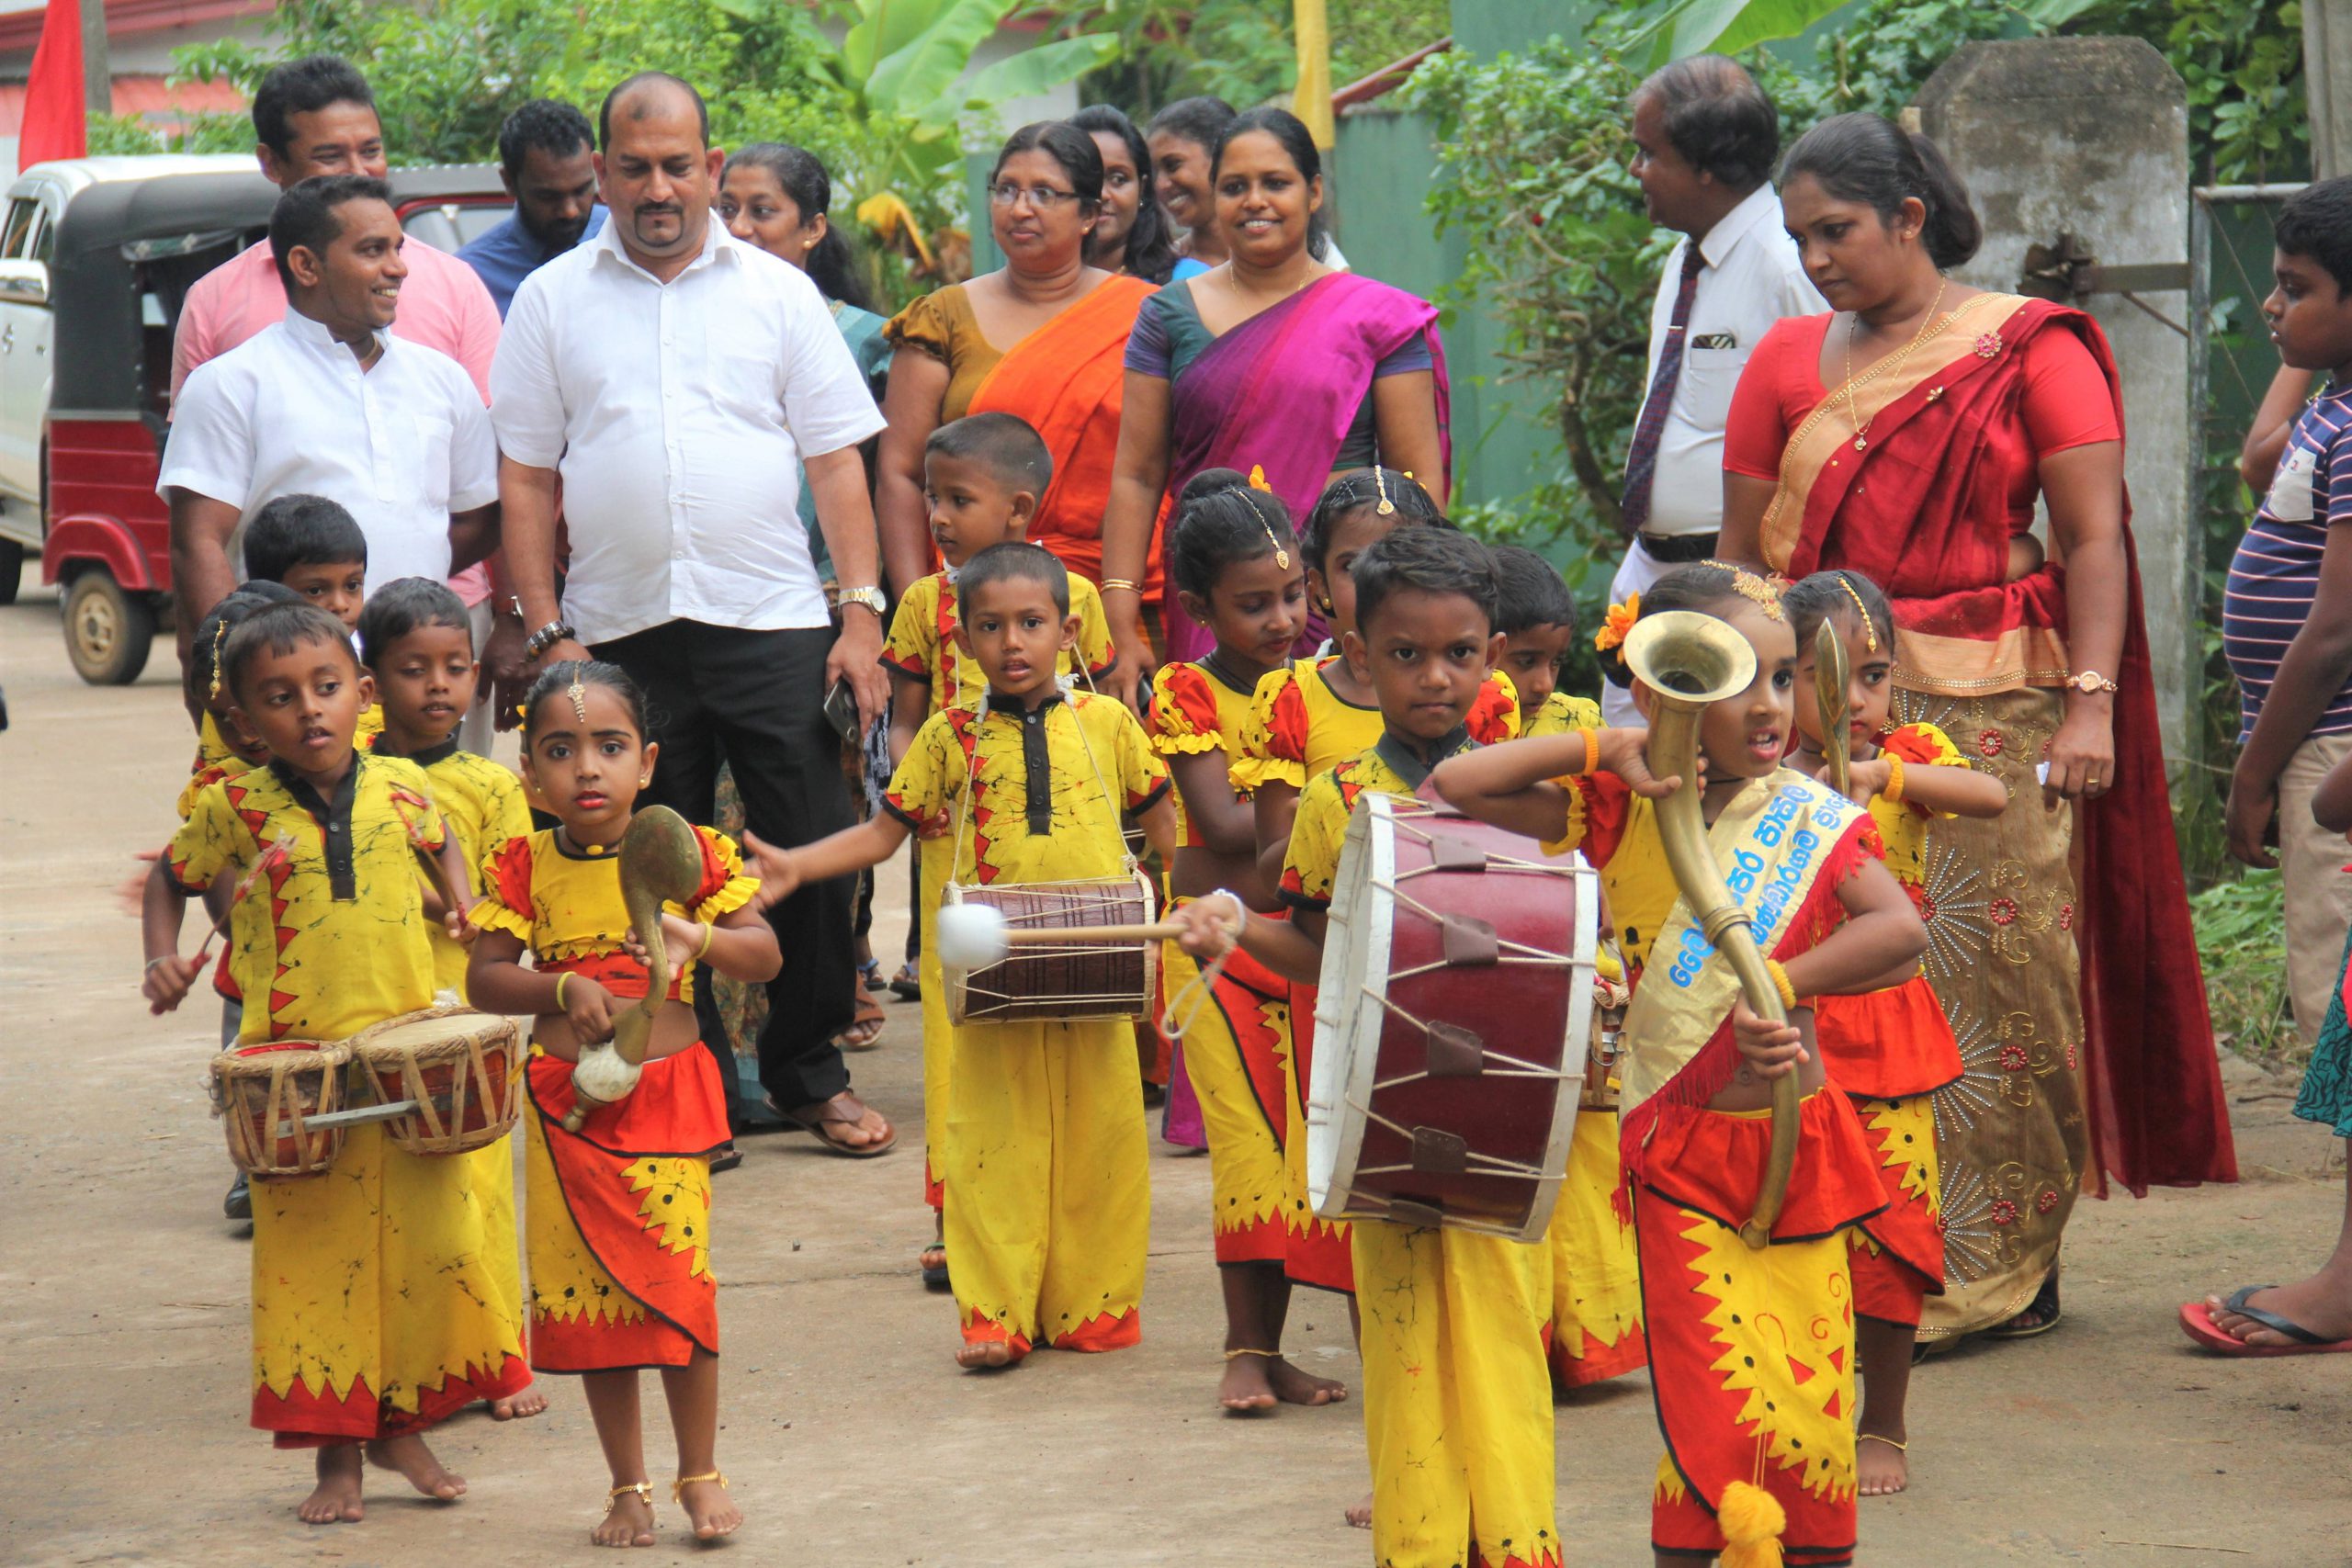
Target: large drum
[
  {"x": 462, "y": 1068},
  {"x": 1058, "y": 982},
  {"x": 1452, "y": 1023},
  {"x": 265, "y": 1095}
]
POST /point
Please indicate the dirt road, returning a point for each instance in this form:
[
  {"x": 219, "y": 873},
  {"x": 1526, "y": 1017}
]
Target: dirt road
[{"x": 850, "y": 1437}]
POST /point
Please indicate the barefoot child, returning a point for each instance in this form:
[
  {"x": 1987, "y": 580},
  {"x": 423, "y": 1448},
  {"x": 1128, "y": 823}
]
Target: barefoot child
[
  {"x": 1306, "y": 719},
  {"x": 373, "y": 1298},
  {"x": 1457, "y": 1402},
  {"x": 1750, "y": 1350},
  {"x": 416, "y": 643},
  {"x": 1047, "y": 1201},
  {"x": 1237, "y": 572},
  {"x": 983, "y": 475},
  {"x": 1595, "y": 1327},
  {"x": 1888, "y": 1050}
]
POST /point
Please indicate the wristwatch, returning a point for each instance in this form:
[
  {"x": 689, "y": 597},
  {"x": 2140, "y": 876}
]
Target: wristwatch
[
  {"x": 869, "y": 597},
  {"x": 547, "y": 636},
  {"x": 2090, "y": 680}
]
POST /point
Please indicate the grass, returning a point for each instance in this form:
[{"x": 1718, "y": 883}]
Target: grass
[{"x": 2241, "y": 925}]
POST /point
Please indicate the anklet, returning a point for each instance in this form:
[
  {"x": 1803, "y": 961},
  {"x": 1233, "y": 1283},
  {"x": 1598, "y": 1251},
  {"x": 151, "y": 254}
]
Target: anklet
[
  {"x": 644, "y": 1490},
  {"x": 1236, "y": 1355},
  {"x": 1890, "y": 1442},
  {"x": 678, "y": 1487}
]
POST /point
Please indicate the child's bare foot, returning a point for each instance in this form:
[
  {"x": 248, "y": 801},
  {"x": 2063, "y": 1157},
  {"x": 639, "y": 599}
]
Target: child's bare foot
[
  {"x": 336, "y": 1499},
  {"x": 1247, "y": 1384},
  {"x": 1292, "y": 1386},
  {"x": 708, "y": 1507},
  {"x": 413, "y": 1458},
  {"x": 1359, "y": 1514},
  {"x": 629, "y": 1518},
  {"x": 980, "y": 1355},
  {"x": 1881, "y": 1468},
  {"x": 520, "y": 1406}
]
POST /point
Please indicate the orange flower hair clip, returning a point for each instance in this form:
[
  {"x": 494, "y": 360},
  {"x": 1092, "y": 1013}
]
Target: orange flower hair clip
[{"x": 1619, "y": 621}]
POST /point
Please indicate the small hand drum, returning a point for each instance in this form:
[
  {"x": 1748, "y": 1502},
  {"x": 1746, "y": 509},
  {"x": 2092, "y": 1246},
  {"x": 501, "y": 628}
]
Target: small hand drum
[
  {"x": 1062, "y": 981},
  {"x": 460, "y": 1067},
  {"x": 1452, "y": 1023},
  {"x": 265, "y": 1095}
]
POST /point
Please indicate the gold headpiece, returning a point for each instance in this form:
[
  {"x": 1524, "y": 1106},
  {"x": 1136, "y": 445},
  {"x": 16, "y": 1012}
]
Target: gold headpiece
[
  {"x": 1764, "y": 593},
  {"x": 1380, "y": 483},
  {"x": 219, "y": 634},
  {"x": 1870, "y": 629},
  {"x": 577, "y": 692},
  {"x": 1258, "y": 482}
]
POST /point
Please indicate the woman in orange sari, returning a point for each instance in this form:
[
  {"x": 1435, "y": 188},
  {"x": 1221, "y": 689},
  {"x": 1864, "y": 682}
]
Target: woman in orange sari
[{"x": 1907, "y": 436}]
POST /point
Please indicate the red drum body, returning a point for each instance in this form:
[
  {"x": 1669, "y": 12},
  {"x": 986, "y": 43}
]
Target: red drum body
[
  {"x": 1066, "y": 982},
  {"x": 463, "y": 1069},
  {"x": 265, "y": 1095},
  {"x": 1453, "y": 1024}
]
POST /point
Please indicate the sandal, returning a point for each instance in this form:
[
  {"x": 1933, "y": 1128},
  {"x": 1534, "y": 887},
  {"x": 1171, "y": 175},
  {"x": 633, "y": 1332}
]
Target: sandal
[
  {"x": 869, "y": 976},
  {"x": 2044, "y": 1308},
  {"x": 934, "y": 1275},
  {"x": 725, "y": 1159},
  {"x": 844, "y": 1110},
  {"x": 906, "y": 985},
  {"x": 2197, "y": 1322},
  {"x": 864, "y": 1031}
]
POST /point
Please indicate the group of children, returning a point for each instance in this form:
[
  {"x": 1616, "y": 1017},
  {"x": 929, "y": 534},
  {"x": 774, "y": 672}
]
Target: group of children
[{"x": 387, "y": 1294}]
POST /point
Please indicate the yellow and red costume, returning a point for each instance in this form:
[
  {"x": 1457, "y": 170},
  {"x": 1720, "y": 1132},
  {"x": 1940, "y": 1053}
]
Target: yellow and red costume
[
  {"x": 1047, "y": 1195},
  {"x": 1889, "y": 1051},
  {"x": 921, "y": 646},
  {"x": 375, "y": 1299},
  {"x": 618, "y": 1222},
  {"x": 1751, "y": 1351},
  {"x": 1457, "y": 1402},
  {"x": 1596, "y": 1330},
  {"x": 1239, "y": 1037},
  {"x": 1298, "y": 729}
]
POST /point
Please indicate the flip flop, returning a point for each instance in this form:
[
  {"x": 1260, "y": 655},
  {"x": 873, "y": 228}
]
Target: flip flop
[
  {"x": 831, "y": 1112},
  {"x": 2197, "y": 1322},
  {"x": 934, "y": 1277}
]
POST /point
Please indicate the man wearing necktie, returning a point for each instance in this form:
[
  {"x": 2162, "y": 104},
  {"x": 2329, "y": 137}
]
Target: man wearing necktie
[{"x": 1706, "y": 138}]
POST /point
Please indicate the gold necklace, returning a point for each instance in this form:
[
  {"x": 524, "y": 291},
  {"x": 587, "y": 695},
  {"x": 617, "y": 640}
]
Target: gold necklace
[{"x": 1928, "y": 324}]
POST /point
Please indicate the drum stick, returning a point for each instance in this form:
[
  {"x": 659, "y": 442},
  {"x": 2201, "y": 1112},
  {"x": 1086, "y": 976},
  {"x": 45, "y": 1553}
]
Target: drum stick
[
  {"x": 353, "y": 1117},
  {"x": 1063, "y": 936}
]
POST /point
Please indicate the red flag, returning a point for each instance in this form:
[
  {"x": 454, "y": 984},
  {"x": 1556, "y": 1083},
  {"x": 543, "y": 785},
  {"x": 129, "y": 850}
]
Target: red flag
[{"x": 56, "y": 123}]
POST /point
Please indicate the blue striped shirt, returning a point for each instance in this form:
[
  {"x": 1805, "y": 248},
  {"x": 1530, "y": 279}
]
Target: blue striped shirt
[{"x": 2275, "y": 575}]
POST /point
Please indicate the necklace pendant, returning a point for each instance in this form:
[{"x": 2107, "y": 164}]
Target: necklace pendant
[{"x": 1861, "y": 442}]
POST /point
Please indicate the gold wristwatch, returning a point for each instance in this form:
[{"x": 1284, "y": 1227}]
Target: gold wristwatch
[
  {"x": 2089, "y": 681},
  {"x": 869, "y": 597}
]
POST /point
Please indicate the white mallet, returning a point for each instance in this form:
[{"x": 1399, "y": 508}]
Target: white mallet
[{"x": 973, "y": 936}]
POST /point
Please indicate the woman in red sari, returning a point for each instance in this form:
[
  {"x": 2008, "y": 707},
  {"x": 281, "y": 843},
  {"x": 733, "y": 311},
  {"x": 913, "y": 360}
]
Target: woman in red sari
[{"x": 1907, "y": 436}]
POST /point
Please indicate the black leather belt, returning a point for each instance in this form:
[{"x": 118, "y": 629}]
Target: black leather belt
[{"x": 1676, "y": 549}]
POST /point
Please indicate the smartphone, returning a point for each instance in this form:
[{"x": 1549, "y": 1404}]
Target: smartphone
[{"x": 840, "y": 707}]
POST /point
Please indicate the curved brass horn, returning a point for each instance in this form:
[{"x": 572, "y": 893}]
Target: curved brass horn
[
  {"x": 1832, "y": 688},
  {"x": 1690, "y": 660}
]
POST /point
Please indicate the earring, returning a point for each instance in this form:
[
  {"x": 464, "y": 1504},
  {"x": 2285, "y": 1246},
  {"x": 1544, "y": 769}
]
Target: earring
[{"x": 645, "y": 781}]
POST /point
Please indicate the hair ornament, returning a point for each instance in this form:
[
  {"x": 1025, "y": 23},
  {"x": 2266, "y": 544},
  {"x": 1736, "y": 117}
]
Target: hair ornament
[
  {"x": 1257, "y": 479},
  {"x": 577, "y": 692},
  {"x": 1258, "y": 483},
  {"x": 1380, "y": 483},
  {"x": 1870, "y": 629},
  {"x": 1764, "y": 593},
  {"x": 220, "y": 635},
  {"x": 1616, "y": 624}
]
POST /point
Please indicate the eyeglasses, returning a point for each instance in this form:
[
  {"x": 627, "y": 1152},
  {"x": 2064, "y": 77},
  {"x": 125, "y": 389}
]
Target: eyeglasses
[{"x": 1045, "y": 198}]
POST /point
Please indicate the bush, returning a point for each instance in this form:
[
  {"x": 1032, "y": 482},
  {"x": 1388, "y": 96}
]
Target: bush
[{"x": 2238, "y": 926}]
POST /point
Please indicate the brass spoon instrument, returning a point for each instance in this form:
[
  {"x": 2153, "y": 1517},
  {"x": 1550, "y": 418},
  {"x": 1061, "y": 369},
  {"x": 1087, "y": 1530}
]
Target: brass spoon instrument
[
  {"x": 660, "y": 863},
  {"x": 1832, "y": 683},
  {"x": 1690, "y": 660}
]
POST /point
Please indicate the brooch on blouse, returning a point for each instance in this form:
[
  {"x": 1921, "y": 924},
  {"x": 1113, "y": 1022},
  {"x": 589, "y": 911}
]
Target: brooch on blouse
[{"x": 1988, "y": 345}]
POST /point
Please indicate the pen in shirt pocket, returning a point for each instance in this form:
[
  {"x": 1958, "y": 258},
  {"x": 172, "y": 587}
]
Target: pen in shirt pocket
[{"x": 1716, "y": 340}]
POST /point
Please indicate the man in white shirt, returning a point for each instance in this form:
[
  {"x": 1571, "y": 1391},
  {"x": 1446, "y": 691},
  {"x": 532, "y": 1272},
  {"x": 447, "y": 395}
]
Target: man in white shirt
[
  {"x": 674, "y": 378},
  {"x": 328, "y": 402},
  {"x": 1707, "y": 138}
]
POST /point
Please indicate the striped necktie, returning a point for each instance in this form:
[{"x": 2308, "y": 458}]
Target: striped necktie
[{"x": 1641, "y": 463}]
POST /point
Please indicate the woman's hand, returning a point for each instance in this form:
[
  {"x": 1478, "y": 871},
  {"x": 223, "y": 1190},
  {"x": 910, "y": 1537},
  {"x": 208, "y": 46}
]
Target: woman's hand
[
  {"x": 167, "y": 982},
  {"x": 2082, "y": 755},
  {"x": 1129, "y": 680},
  {"x": 681, "y": 939},
  {"x": 590, "y": 1008},
  {"x": 1774, "y": 1050}
]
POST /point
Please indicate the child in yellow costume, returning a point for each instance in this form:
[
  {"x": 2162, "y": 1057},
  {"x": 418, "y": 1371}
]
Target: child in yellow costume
[
  {"x": 1047, "y": 1196},
  {"x": 619, "y": 1214},
  {"x": 1751, "y": 1349},
  {"x": 1596, "y": 1328},
  {"x": 1457, "y": 1400},
  {"x": 1238, "y": 573},
  {"x": 982, "y": 477},
  {"x": 375, "y": 1309}
]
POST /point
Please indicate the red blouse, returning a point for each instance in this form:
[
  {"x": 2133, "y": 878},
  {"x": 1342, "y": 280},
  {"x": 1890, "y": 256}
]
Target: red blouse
[{"x": 2066, "y": 404}]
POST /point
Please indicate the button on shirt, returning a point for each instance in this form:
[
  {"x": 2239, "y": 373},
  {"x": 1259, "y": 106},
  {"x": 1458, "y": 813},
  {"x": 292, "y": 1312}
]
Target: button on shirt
[
  {"x": 1752, "y": 279},
  {"x": 289, "y": 411},
  {"x": 677, "y": 413}
]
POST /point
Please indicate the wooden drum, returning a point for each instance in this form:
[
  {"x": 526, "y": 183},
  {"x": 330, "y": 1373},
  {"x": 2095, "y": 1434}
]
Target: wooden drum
[
  {"x": 1060, "y": 982},
  {"x": 1453, "y": 1024},
  {"x": 264, "y": 1095},
  {"x": 462, "y": 1068}
]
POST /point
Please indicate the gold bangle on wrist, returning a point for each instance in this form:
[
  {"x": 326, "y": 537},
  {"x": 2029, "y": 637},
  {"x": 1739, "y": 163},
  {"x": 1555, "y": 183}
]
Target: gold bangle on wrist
[
  {"x": 1591, "y": 751},
  {"x": 1892, "y": 792},
  {"x": 1780, "y": 980},
  {"x": 561, "y": 1006},
  {"x": 709, "y": 932},
  {"x": 1121, "y": 584}
]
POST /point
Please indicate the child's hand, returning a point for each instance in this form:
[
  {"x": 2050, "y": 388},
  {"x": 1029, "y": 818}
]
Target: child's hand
[
  {"x": 679, "y": 937},
  {"x": 936, "y": 827},
  {"x": 458, "y": 929},
  {"x": 1212, "y": 927},
  {"x": 779, "y": 878},
  {"x": 1865, "y": 782},
  {"x": 131, "y": 895},
  {"x": 1774, "y": 1050},
  {"x": 1625, "y": 752},
  {"x": 590, "y": 1010},
  {"x": 167, "y": 982}
]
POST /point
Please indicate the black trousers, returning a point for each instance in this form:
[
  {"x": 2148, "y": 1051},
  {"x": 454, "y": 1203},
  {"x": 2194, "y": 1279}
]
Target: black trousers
[{"x": 757, "y": 699}]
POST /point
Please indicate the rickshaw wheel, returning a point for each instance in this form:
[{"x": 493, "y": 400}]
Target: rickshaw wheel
[
  {"x": 108, "y": 631},
  {"x": 12, "y": 569}
]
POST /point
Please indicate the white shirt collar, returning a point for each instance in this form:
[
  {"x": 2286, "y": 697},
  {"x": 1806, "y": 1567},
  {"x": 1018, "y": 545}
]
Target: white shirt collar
[
  {"x": 1761, "y": 205},
  {"x": 716, "y": 245},
  {"x": 314, "y": 334}
]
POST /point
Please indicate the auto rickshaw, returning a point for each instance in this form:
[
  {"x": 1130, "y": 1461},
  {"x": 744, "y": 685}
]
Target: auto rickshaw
[{"x": 125, "y": 239}]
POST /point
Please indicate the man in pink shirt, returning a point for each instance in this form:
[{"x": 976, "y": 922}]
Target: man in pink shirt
[{"x": 316, "y": 115}]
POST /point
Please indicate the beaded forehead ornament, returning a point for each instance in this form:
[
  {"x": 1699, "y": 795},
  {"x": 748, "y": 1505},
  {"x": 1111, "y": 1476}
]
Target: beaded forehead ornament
[
  {"x": 1870, "y": 629},
  {"x": 1258, "y": 482}
]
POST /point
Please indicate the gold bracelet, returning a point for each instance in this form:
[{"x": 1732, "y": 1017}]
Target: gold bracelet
[
  {"x": 1892, "y": 792},
  {"x": 1591, "y": 751},
  {"x": 709, "y": 931},
  {"x": 1780, "y": 980},
  {"x": 1122, "y": 584},
  {"x": 559, "y": 979}
]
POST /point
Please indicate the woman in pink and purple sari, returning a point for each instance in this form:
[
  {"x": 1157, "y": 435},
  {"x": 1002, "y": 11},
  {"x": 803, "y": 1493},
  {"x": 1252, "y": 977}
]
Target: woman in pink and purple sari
[{"x": 1271, "y": 363}]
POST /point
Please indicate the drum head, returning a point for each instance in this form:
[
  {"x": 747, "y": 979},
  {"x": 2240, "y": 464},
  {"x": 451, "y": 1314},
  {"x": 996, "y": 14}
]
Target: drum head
[
  {"x": 1349, "y": 1016},
  {"x": 431, "y": 1026}
]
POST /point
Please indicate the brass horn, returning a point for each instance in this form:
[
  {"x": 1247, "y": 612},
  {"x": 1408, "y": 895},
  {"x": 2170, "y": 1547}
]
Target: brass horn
[
  {"x": 1689, "y": 660},
  {"x": 1832, "y": 688}
]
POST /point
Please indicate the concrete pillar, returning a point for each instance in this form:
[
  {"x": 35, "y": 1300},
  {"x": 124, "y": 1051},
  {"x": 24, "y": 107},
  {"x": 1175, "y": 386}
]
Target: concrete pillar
[
  {"x": 2089, "y": 137},
  {"x": 2327, "y": 84},
  {"x": 97, "y": 77}
]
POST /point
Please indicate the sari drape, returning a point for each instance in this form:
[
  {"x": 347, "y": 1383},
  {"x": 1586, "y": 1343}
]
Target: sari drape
[
  {"x": 1279, "y": 391},
  {"x": 1932, "y": 526}
]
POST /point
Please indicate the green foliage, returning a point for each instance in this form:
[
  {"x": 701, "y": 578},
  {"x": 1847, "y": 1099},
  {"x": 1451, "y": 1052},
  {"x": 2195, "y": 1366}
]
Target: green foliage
[
  {"x": 1684, "y": 27},
  {"x": 1241, "y": 51},
  {"x": 2243, "y": 65},
  {"x": 2244, "y": 962}
]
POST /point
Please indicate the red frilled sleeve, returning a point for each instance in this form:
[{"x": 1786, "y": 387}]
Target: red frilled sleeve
[
  {"x": 1495, "y": 714},
  {"x": 505, "y": 901}
]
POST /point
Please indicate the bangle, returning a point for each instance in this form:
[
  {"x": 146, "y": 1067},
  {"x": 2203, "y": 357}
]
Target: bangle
[
  {"x": 165, "y": 958},
  {"x": 561, "y": 1006},
  {"x": 1240, "y": 914},
  {"x": 1780, "y": 980},
  {"x": 1121, "y": 584},
  {"x": 709, "y": 932},
  {"x": 1591, "y": 751},
  {"x": 1892, "y": 792}
]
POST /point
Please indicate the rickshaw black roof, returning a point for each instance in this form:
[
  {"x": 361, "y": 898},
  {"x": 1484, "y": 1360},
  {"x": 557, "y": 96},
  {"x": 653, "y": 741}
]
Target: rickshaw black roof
[{"x": 90, "y": 283}]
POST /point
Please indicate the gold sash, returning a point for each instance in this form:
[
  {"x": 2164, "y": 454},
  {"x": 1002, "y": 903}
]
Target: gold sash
[{"x": 1771, "y": 842}]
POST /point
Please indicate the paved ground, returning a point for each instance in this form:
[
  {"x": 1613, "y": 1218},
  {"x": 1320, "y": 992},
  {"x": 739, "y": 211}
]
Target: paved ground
[{"x": 850, "y": 1437}]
